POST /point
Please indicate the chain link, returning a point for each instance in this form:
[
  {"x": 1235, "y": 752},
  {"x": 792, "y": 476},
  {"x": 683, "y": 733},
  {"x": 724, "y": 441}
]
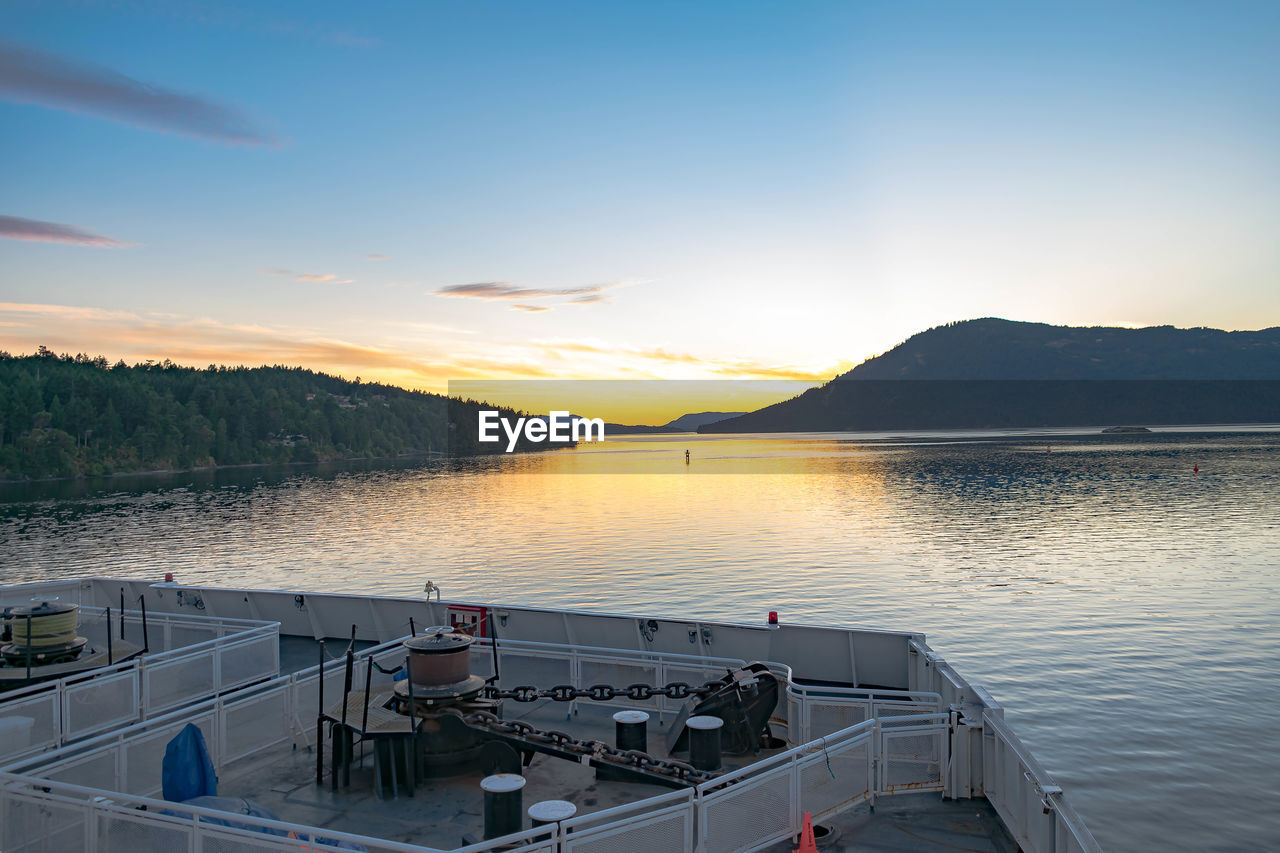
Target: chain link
[
  {"x": 632, "y": 758},
  {"x": 604, "y": 692}
]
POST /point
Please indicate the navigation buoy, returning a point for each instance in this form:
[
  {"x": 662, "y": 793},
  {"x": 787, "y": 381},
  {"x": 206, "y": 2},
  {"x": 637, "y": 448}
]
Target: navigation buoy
[{"x": 1195, "y": 470}]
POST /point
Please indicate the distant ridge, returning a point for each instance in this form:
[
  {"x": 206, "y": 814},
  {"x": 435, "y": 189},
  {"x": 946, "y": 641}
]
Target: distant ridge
[
  {"x": 991, "y": 348},
  {"x": 1000, "y": 373},
  {"x": 685, "y": 423},
  {"x": 690, "y": 422}
]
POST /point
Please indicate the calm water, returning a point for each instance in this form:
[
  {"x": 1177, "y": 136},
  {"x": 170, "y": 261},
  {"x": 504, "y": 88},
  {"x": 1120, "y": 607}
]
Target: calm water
[{"x": 1123, "y": 607}]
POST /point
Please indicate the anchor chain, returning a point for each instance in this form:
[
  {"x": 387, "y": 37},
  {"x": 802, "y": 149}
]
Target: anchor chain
[
  {"x": 598, "y": 750},
  {"x": 605, "y": 692}
]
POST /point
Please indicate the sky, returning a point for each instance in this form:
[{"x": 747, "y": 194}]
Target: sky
[{"x": 423, "y": 192}]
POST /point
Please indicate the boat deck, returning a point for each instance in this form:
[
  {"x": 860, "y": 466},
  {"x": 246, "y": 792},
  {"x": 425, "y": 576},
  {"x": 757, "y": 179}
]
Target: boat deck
[{"x": 448, "y": 813}]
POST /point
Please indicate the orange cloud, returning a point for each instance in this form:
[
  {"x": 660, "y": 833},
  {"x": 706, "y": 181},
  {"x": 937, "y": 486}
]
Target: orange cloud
[
  {"x": 414, "y": 355},
  {"x": 328, "y": 278}
]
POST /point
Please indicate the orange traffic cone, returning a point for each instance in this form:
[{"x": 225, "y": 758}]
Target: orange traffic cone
[{"x": 807, "y": 843}]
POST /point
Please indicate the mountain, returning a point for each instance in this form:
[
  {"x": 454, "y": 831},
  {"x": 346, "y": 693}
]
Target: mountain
[
  {"x": 1003, "y": 349},
  {"x": 685, "y": 423},
  {"x": 993, "y": 373},
  {"x": 690, "y": 422}
]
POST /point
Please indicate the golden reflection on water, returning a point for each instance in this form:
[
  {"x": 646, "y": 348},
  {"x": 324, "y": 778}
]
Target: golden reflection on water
[{"x": 1113, "y": 597}]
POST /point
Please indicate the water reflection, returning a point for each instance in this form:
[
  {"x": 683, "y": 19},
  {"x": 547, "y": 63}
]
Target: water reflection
[{"x": 1124, "y": 606}]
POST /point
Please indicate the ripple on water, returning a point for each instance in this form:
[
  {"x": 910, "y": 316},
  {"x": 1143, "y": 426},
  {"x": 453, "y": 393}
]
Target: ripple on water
[{"x": 1124, "y": 610}]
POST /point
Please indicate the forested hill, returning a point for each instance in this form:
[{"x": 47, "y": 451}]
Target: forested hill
[
  {"x": 994, "y": 373},
  {"x": 991, "y": 348},
  {"x": 64, "y": 416}
]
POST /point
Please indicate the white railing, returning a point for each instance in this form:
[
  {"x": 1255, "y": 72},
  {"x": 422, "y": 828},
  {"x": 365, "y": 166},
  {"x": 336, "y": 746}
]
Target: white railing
[
  {"x": 38, "y": 816},
  {"x": 913, "y": 753},
  {"x": 930, "y": 671},
  {"x": 764, "y": 803},
  {"x": 903, "y": 746},
  {"x": 743, "y": 810},
  {"x": 51, "y": 714},
  {"x": 665, "y": 822},
  {"x": 1026, "y": 797},
  {"x": 810, "y": 711}
]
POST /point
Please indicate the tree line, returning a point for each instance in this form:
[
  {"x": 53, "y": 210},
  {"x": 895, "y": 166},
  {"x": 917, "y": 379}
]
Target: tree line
[{"x": 67, "y": 416}]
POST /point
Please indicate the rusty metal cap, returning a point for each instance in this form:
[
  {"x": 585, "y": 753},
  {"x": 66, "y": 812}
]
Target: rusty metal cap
[{"x": 437, "y": 643}]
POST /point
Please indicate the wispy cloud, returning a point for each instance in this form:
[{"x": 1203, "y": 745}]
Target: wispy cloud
[
  {"x": 137, "y": 336},
  {"x": 17, "y": 228},
  {"x": 653, "y": 359},
  {"x": 326, "y": 278},
  {"x": 374, "y": 256},
  {"x": 428, "y": 358},
  {"x": 532, "y": 309},
  {"x": 502, "y": 290},
  {"x": 32, "y": 76}
]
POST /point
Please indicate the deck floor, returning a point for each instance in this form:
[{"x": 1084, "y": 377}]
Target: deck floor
[
  {"x": 915, "y": 823},
  {"x": 442, "y": 813},
  {"x": 448, "y": 813}
]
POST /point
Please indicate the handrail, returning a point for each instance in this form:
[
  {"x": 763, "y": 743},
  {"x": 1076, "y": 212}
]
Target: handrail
[{"x": 1042, "y": 788}]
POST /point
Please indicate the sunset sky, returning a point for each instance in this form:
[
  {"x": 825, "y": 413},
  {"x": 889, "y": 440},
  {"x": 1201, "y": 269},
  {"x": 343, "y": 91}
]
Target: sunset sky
[{"x": 420, "y": 192}]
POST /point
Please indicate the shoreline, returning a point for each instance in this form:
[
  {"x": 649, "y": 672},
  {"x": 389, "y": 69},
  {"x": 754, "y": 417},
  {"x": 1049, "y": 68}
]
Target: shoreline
[
  {"x": 870, "y": 436},
  {"x": 160, "y": 472}
]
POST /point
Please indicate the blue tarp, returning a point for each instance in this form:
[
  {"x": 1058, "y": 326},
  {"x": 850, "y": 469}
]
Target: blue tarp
[{"x": 187, "y": 771}]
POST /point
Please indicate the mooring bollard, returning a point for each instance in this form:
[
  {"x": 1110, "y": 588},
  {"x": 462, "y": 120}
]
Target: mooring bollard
[
  {"x": 631, "y": 730},
  {"x": 551, "y": 811},
  {"x": 704, "y": 742},
  {"x": 503, "y": 804}
]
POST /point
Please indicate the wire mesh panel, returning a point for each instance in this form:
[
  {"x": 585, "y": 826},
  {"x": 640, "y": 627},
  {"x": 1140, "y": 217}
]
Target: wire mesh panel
[
  {"x": 664, "y": 822},
  {"x": 101, "y": 703},
  {"x": 224, "y": 840},
  {"x": 537, "y": 668},
  {"x": 98, "y": 769},
  {"x": 130, "y": 832},
  {"x": 669, "y": 830},
  {"x": 189, "y": 635},
  {"x": 912, "y": 759},
  {"x": 836, "y": 778},
  {"x": 249, "y": 661},
  {"x": 255, "y": 723},
  {"x": 38, "y": 823},
  {"x": 175, "y": 682},
  {"x": 831, "y": 714},
  {"x": 144, "y": 763},
  {"x": 29, "y": 724},
  {"x": 750, "y": 814},
  {"x": 143, "y": 755},
  {"x": 883, "y": 709}
]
